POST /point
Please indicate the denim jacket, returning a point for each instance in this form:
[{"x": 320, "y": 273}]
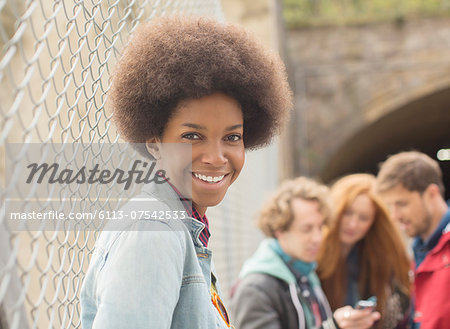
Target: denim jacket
[{"x": 153, "y": 274}]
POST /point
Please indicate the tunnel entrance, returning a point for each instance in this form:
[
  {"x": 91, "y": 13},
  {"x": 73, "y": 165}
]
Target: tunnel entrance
[{"x": 422, "y": 125}]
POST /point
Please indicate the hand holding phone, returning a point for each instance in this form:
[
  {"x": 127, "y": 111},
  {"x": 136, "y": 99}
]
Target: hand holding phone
[
  {"x": 370, "y": 303},
  {"x": 349, "y": 317}
]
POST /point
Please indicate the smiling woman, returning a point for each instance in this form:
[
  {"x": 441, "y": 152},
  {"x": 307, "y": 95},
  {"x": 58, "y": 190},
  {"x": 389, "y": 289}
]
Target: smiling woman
[
  {"x": 214, "y": 126},
  {"x": 185, "y": 82}
]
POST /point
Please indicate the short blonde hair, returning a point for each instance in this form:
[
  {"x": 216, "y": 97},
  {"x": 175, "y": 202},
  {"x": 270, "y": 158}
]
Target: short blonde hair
[{"x": 276, "y": 214}]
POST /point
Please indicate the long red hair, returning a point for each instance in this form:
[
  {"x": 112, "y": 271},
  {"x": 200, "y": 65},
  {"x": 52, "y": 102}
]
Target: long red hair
[{"x": 382, "y": 257}]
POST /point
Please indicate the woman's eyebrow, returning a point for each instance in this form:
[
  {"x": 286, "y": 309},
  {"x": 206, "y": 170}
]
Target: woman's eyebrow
[
  {"x": 235, "y": 127},
  {"x": 200, "y": 127},
  {"x": 193, "y": 125}
]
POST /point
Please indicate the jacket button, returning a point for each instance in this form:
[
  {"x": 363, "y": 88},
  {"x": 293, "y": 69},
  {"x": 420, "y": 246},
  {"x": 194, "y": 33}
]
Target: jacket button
[{"x": 445, "y": 260}]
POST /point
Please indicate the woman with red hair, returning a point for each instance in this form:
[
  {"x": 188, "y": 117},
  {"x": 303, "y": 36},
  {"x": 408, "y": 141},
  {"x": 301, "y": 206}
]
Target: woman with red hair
[{"x": 363, "y": 254}]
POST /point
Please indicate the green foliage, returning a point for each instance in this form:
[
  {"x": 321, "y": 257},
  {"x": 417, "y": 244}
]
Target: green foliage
[{"x": 304, "y": 13}]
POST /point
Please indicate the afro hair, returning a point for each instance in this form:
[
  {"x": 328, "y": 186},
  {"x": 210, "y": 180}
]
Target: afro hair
[{"x": 172, "y": 59}]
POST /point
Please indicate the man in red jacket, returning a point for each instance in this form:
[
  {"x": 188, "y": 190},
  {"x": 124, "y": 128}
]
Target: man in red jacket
[{"x": 411, "y": 184}]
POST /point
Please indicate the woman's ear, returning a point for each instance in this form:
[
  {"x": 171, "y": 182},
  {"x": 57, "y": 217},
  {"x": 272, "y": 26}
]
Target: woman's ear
[{"x": 153, "y": 147}]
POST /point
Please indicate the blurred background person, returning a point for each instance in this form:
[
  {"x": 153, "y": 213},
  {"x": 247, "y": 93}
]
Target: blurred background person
[
  {"x": 279, "y": 287},
  {"x": 363, "y": 254},
  {"x": 411, "y": 184}
]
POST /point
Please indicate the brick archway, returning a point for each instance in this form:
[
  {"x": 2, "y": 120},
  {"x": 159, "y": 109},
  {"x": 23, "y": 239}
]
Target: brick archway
[{"x": 422, "y": 124}]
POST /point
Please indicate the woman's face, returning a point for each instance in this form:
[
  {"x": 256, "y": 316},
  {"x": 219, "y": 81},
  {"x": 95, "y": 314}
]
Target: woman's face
[
  {"x": 356, "y": 220},
  {"x": 213, "y": 126}
]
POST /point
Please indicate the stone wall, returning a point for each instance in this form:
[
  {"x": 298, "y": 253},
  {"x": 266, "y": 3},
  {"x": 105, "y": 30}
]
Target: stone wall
[{"x": 348, "y": 79}]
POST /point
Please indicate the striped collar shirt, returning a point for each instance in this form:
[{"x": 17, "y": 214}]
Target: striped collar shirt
[{"x": 192, "y": 212}]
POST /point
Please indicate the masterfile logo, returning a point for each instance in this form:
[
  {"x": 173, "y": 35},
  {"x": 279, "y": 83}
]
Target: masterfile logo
[{"x": 84, "y": 187}]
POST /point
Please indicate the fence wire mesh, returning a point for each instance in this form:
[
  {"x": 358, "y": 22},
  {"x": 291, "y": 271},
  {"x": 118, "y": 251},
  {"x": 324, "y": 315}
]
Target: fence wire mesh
[{"x": 55, "y": 64}]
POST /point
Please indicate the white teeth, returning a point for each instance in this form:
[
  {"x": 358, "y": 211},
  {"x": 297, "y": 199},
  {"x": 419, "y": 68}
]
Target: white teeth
[{"x": 209, "y": 179}]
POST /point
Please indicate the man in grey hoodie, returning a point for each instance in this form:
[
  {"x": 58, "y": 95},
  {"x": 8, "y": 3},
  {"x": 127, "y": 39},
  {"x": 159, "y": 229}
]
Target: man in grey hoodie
[{"x": 278, "y": 286}]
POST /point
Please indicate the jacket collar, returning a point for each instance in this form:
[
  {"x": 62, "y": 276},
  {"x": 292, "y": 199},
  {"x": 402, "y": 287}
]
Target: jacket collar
[
  {"x": 433, "y": 240},
  {"x": 166, "y": 194}
]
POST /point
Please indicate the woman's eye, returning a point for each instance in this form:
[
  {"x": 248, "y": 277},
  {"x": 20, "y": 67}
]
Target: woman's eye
[
  {"x": 347, "y": 213},
  {"x": 234, "y": 137},
  {"x": 191, "y": 136},
  {"x": 364, "y": 218}
]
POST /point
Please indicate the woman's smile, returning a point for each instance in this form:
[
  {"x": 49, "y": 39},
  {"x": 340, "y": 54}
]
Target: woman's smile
[{"x": 212, "y": 179}]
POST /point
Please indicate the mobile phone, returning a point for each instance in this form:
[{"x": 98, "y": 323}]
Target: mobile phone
[{"x": 370, "y": 303}]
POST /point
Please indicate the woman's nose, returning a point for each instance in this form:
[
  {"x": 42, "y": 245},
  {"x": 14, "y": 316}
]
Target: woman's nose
[
  {"x": 214, "y": 154},
  {"x": 353, "y": 221}
]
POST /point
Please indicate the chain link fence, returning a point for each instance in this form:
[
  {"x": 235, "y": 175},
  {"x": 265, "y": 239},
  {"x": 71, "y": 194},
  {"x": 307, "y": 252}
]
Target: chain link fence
[{"x": 55, "y": 64}]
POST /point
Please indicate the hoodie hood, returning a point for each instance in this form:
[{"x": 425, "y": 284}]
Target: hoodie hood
[{"x": 265, "y": 260}]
